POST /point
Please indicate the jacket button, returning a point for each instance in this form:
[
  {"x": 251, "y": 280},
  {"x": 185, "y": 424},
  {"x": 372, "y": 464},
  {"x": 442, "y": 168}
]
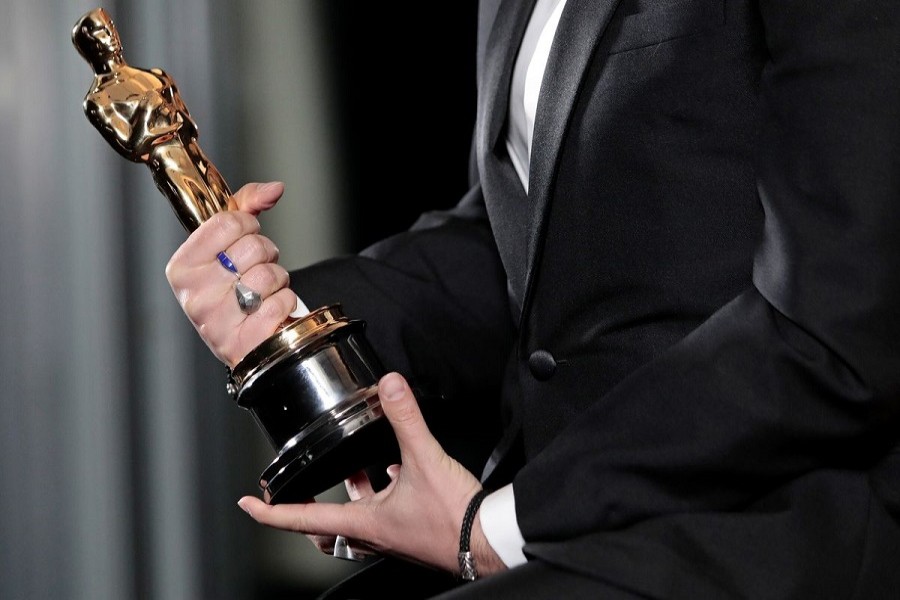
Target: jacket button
[{"x": 542, "y": 365}]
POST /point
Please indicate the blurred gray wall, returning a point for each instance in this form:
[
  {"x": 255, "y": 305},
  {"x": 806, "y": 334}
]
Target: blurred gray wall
[{"x": 120, "y": 456}]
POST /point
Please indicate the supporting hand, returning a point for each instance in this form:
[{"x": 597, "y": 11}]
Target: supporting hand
[{"x": 417, "y": 516}]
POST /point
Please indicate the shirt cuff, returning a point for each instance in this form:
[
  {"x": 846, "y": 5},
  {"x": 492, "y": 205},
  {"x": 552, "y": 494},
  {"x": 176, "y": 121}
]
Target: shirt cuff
[{"x": 498, "y": 522}]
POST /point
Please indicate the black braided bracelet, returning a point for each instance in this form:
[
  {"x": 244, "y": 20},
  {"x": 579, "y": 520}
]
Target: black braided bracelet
[{"x": 467, "y": 570}]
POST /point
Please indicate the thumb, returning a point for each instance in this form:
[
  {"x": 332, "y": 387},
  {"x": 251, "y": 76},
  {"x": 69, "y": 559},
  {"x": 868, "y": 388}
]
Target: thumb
[
  {"x": 402, "y": 411},
  {"x": 255, "y": 198}
]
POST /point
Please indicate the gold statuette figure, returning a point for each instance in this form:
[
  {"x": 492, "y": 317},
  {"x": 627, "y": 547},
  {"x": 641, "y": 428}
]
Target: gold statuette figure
[
  {"x": 140, "y": 113},
  {"x": 313, "y": 385}
]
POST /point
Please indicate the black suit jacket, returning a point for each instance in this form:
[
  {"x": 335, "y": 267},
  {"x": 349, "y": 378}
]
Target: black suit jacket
[{"x": 693, "y": 317}]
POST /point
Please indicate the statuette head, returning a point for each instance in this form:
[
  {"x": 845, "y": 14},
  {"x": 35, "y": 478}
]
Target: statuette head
[{"x": 96, "y": 38}]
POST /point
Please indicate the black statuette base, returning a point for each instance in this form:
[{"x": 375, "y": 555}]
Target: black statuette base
[{"x": 318, "y": 406}]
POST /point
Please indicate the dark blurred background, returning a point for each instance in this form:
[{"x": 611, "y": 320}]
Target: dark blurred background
[
  {"x": 403, "y": 83},
  {"x": 121, "y": 458}
]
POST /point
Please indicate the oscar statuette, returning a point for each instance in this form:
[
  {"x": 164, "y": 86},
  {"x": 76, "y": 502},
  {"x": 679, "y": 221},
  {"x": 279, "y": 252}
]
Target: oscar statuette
[{"x": 312, "y": 385}]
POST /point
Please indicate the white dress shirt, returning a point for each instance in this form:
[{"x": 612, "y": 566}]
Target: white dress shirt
[
  {"x": 528, "y": 73},
  {"x": 498, "y": 511}
]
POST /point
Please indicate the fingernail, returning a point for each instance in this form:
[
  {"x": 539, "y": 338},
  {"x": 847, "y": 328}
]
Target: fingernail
[
  {"x": 266, "y": 187},
  {"x": 392, "y": 386},
  {"x": 300, "y": 310},
  {"x": 244, "y": 508}
]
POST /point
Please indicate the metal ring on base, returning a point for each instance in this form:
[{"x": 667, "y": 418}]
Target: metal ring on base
[
  {"x": 328, "y": 451},
  {"x": 343, "y": 550}
]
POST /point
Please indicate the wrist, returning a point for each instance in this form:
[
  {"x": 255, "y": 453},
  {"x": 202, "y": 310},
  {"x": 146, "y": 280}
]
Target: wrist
[
  {"x": 477, "y": 557},
  {"x": 488, "y": 561},
  {"x": 468, "y": 570}
]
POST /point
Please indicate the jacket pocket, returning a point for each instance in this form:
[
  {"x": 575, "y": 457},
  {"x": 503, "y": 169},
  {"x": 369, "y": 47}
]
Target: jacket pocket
[{"x": 641, "y": 23}]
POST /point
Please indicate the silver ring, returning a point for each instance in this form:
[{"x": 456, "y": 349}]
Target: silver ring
[
  {"x": 248, "y": 299},
  {"x": 343, "y": 550}
]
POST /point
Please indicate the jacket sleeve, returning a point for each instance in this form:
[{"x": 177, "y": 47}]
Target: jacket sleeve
[
  {"x": 436, "y": 306},
  {"x": 802, "y": 370}
]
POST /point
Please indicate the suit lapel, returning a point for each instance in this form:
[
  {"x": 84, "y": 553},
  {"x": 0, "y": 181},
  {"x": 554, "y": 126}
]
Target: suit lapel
[
  {"x": 580, "y": 28},
  {"x": 502, "y": 46}
]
